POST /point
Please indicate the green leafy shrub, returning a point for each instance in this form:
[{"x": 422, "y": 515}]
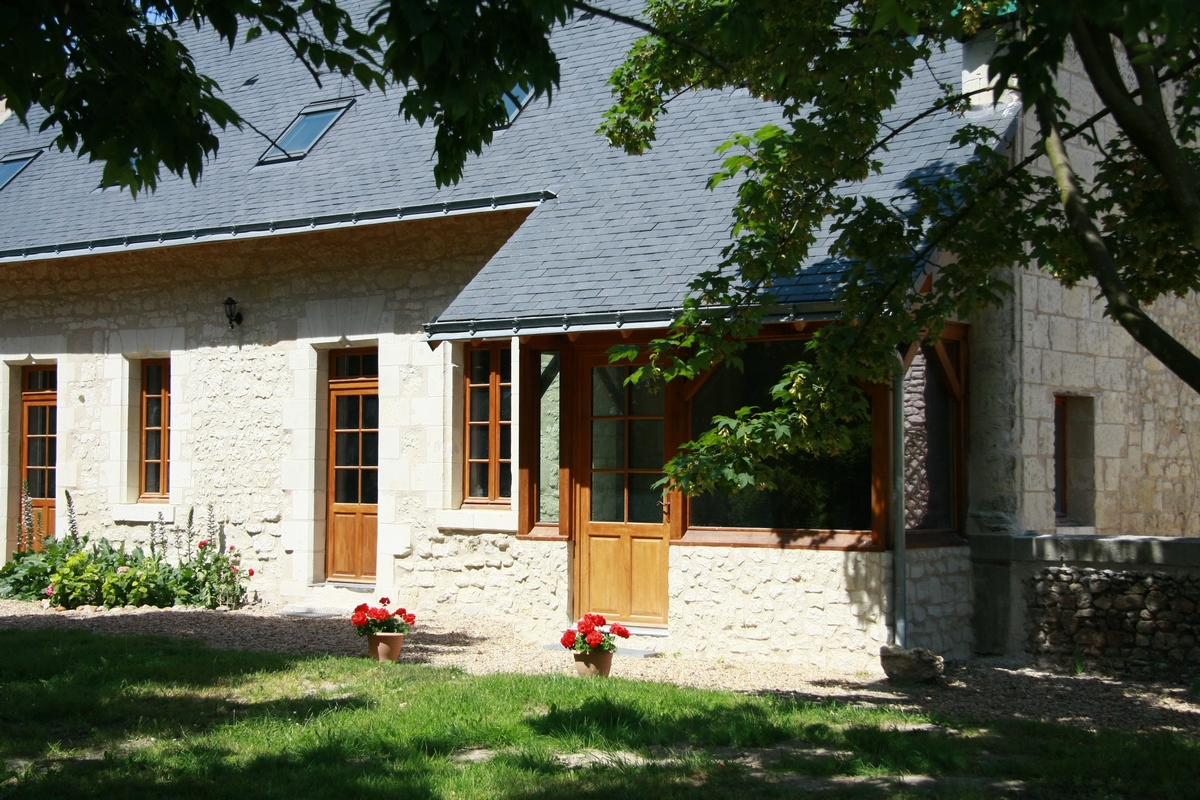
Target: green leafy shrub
[{"x": 73, "y": 572}]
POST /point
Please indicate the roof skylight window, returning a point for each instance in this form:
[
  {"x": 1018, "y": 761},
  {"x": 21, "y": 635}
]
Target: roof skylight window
[
  {"x": 12, "y": 164},
  {"x": 515, "y": 100},
  {"x": 305, "y": 131}
]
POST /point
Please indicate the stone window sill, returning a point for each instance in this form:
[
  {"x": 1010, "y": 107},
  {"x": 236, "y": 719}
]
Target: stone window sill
[
  {"x": 481, "y": 519},
  {"x": 142, "y": 513}
]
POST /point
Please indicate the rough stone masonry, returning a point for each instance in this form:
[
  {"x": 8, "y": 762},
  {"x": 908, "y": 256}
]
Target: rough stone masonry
[{"x": 1128, "y": 621}]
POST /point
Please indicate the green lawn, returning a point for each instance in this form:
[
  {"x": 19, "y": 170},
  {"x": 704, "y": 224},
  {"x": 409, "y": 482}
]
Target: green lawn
[{"x": 114, "y": 717}]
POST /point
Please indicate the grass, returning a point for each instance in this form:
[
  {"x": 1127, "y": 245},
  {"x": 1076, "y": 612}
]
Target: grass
[{"x": 85, "y": 716}]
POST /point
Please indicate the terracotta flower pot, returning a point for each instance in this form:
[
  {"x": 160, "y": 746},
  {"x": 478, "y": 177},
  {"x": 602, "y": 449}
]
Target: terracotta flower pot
[
  {"x": 589, "y": 665},
  {"x": 384, "y": 646}
]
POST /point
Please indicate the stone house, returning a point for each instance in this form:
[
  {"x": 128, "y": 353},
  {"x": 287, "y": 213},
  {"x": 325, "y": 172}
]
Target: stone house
[{"x": 408, "y": 393}]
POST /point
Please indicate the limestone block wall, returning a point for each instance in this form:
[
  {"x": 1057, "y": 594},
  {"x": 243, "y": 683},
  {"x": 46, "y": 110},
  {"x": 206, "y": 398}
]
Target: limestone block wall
[
  {"x": 940, "y": 600},
  {"x": 1049, "y": 340},
  {"x": 466, "y": 580},
  {"x": 248, "y": 413}
]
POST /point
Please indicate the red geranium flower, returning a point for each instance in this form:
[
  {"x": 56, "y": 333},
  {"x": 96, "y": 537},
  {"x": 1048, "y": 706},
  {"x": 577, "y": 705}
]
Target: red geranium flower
[
  {"x": 379, "y": 614},
  {"x": 594, "y": 639},
  {"x": 568, "y": 639},
  {"x": 361, "y": 607},
  {"x": 411, "y": 619},
  {"x": 619, "y": 630},
  {"x": 358, "y": 618},
  {"x": 585, "y": 626},
  {"x": 250, "y": 572},
  {"x": 203, "y": 543},
  {"x": 385, "y": 601}
]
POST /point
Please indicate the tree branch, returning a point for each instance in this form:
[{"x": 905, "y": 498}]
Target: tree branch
[
  {"x": 659, "y": 32},
  {"x": 1139, "y": 123},
  {"x": 1122, "y": 306}
]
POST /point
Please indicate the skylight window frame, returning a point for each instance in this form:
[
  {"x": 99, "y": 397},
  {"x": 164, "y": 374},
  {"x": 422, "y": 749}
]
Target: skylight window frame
[
  {"x": 520, "y": 105},
  {"x": 28, "y": 156},
  {"x": 341, "y": 105}
]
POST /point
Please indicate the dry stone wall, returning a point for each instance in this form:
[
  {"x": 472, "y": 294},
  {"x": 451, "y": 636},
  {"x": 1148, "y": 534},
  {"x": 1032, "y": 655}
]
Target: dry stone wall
[{"x": 1127, "y": 620}]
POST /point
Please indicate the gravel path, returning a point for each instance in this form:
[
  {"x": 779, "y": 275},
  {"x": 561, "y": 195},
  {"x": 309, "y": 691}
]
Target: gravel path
[{"x": 981, "y": 689}]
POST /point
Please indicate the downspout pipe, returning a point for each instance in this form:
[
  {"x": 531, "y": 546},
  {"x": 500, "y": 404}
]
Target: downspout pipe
[{"x": 900, "y": 571}]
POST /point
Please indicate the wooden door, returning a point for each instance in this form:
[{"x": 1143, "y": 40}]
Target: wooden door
[
  {"x": 623, "y": 538},
  {"x": 353, "y": 514},
  {"x": 39, "y": 453}
]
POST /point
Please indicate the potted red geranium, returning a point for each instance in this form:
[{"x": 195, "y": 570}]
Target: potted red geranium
[
  {"x": 592, "y": 645},
  {"x": 384, "y": 629}
]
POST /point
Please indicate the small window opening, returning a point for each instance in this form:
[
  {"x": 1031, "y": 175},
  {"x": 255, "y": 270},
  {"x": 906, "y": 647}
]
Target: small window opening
[
  {"x": 246, "y": 84},
  {"x": 12, "y": 164},
  {"x": 515, "y": 101},
  {"x": 1074, "y": 472},
  {"x": 305, "y": 131}
]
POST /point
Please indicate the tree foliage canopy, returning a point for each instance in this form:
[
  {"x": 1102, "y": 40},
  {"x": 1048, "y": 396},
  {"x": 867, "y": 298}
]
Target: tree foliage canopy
[{"x": 118, "y": 83}]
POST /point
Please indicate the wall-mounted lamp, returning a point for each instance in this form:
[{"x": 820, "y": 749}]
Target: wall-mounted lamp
[{"x": 231, "y": 313}]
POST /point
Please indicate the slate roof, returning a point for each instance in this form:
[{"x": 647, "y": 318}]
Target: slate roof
[{"x": 610, "y": 234}]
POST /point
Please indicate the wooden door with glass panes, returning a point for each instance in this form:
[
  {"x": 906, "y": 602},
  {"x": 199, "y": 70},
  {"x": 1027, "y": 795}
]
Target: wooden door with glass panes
[
  {"x": 624, "y": 537},
  {"x": 353, "y": 513},
  {"x": 39, "y": 454}
]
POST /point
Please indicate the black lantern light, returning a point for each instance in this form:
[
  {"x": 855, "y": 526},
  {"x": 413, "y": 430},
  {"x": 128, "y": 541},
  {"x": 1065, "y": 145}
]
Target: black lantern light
[{"x": 231, "y": 312}]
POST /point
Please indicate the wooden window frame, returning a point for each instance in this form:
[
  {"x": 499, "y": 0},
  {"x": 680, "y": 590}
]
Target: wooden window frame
[
  {"x": 31, "y": 398},
  {"x": 878, "y": 538},
  {"x": 164, "y": 493},
  {"x": 494, "y": 425}
]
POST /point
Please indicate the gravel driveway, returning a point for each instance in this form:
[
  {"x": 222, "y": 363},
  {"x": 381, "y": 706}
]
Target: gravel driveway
[{"x": 981, "y": 689}]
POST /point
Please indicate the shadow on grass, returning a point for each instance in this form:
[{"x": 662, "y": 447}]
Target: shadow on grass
[{"x": 77, "y": 690}]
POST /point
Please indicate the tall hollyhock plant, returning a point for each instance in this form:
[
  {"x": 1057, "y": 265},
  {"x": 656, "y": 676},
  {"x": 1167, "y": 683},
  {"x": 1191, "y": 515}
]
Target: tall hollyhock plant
[
  {"x": 589, "y": 635},
  {"x": 368, "y": 619}
]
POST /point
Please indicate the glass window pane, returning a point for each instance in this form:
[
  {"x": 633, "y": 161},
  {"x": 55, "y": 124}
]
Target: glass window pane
[
  {"x": 928, "y": 445},
  {"x": 646, "y": 399},
  {"x": 608, "y": 497},
  {"x": 36, "y": 453},
  {"x": 37, "y": 420},
  {"x": 505, "y": 442},
  {"x": 549, "y": 415},
  {"x": 505, "y": 403},
  {"x": 370, "y": 411},
  {"x": 608, "y": 391},
  {"x": 347, "y": 450},
  {"x": 646, "y": 444},
  {"x": 481, "y": 366},
  {"x": 505, "y": 480},
  {"x": 152, "y": 479},
  {"x": 608, "y": 444},
  {"x": 480, "y": 404},
  {"x": 347, "y": 367},
  {"x": 347, "y": 412},
  {"x": 644, "y": 498},
  {"x": 153, "y": 412},
  {"x": 478, "y": 480},
  {"x": 42, "y": 380},
  {"x": 370, "y": 449},
  {"x": 51, "y": 451},
  {"x": 153, "y": 445},
  {"x": 345, "y": 486},
  {"x": 52, "y": 420},
  {"x": 832, "y": 492},
  {"x": 154, "y": 379},
  {"x": 51, "y": 488},
  {"x": 303, "y": 133},
  {"x": 370, "y": 365},
  {"x": 37, "y": 483},
  {"x": 506, "y": 366},
  {"x": 370, "y": 487},
  {"x": 9, "y": 169},
  {"x": 479, "y": 442}
]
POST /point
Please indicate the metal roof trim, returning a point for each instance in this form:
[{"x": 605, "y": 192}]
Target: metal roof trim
[{"x": 466, "y": 330}]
